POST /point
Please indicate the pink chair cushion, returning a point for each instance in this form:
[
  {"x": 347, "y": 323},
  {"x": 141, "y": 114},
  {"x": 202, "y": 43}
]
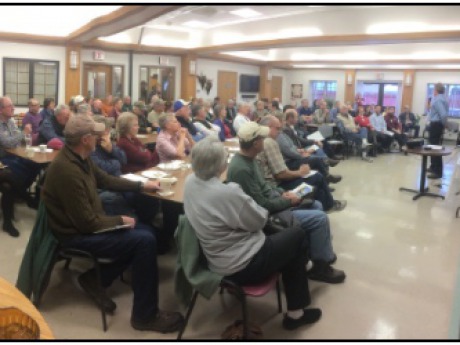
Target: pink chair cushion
[{"x": 261, "y": 288}]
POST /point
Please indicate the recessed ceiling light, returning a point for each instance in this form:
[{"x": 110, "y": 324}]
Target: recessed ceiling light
[
  {"x": 196, "y": 24},
  {"x": 246, "y": 13}
]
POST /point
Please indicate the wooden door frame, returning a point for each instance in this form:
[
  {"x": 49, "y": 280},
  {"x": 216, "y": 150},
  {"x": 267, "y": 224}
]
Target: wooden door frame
[
  {"x": 236, "y": 85},
  {"x": 88, "y": 65}
]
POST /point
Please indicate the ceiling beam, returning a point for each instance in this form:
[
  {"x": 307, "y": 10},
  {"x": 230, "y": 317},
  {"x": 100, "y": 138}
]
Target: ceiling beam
[
  {"x": 364, "y": 62},
  {"x": 135, "y": 48},
  {"x": 336, "y": 40},
  {"x": 120, "y": 20}
]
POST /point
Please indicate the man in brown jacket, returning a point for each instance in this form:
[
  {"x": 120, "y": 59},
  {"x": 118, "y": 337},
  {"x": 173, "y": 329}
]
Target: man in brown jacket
[{"x": 76, "y": 217}]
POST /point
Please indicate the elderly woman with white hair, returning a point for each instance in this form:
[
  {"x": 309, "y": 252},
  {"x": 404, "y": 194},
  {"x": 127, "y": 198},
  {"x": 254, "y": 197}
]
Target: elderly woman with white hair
[
  {"x": 173, "y": 141},
  {"x": 232, "y": 238},
  {"x": 137, "y": 155}
]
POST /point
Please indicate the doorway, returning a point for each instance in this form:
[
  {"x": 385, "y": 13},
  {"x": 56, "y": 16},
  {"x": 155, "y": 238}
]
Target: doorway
[
  {"x": 382, "y": 93},
  {"x": 100, "y": 80},
  {"x": 226, "y": 86},
  {"x": 156, "y": 80}
]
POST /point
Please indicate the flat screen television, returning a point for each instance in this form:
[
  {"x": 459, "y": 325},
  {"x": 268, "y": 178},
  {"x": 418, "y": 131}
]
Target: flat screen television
[{"x": 249, "y": 83}]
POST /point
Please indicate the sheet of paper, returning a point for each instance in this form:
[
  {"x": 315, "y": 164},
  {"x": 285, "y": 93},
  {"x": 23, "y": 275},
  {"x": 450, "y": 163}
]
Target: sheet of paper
[
  {"x": 135, "y": 178},
  {"x": 316, "y": 136},
  {"x": 311, "y": 173}
]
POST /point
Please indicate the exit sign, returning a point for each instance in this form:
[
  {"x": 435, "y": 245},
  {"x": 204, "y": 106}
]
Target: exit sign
[{"x": 98, "y": 55}]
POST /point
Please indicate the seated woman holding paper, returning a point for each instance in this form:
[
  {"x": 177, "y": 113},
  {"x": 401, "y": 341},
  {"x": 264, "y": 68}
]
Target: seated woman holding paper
[
  {"x": 138, "y": 156},
  {"x": 275, "y": 170},
  {"x": 394, "y": 126},
  {"x": 174, "y": 141}
]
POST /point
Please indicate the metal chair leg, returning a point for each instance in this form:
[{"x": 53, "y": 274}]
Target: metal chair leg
[
  {"x": 187, "y": 317},
  {"x": 99, "y": 281}
]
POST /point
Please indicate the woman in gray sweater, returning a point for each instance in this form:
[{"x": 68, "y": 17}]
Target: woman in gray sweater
[{"x": 229, "y": 225}]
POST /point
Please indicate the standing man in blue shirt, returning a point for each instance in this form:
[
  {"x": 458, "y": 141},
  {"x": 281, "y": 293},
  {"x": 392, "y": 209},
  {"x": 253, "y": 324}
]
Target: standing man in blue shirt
[{"x": 437, "y": 118}]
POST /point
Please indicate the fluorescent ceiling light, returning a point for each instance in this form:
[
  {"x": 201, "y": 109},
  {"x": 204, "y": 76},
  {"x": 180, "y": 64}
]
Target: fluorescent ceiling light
[
  {"x": 246, "y": 13},
  {"x": 196, "y": 24},
  {"x": 54, "y": 20},
  {"x": 118, "y": 38},
  {"x": 248, "y": 55}
]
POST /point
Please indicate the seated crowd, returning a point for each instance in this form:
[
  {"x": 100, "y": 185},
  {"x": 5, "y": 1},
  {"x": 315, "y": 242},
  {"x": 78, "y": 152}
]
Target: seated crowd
[{"x": 231, "y": 220}]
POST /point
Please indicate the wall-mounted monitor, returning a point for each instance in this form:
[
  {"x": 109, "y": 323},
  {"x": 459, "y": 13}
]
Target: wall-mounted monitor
[{"x": 249, "y": 83}]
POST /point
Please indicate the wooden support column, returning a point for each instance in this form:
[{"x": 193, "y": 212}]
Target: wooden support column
[
  {"x": 265, "y": 83},
  {"x": 408, "y": 89},
  {"x": 350, "y": 76},
  {"x": 72, "y": 75},
  {"x": 188, "y": 77}
]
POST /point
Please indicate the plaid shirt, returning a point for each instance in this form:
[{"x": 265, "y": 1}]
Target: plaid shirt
[
  {"x": 271, "y": 160},
  {"x": 10, "y": 135}
]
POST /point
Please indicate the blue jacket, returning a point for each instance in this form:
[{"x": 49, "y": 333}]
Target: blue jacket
[
  {"x": 219, "y": 123},
  {"x": 109, "y": 162},
  {"x": 50, "y": 129}
]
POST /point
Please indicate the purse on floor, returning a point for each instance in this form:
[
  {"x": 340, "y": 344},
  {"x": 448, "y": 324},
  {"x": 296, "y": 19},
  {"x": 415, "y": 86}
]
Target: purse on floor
[{"x": 235, "y": 331}]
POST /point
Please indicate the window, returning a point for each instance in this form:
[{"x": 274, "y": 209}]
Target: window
[
  {"x": 453, "y": 96},
  {"x": 323, "y": 89},
  {"x": 24, "y": 79}
]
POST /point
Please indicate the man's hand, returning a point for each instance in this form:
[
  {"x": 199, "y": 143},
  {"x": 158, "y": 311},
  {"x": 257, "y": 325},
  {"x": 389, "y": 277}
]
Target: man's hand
[
  {"x": 151, "y": 186},
  {"x": 304, "y": 169},
  {"x": 295, "y": 200},
  {"x": 319, "y": 143},
  {"x": 306, "y": 154},
  {"x": 129, "y": 221},
  {"x": 106, "y": 143},
  {"x": 28, "y": 129},
  {"x": 310, "y": 151}
]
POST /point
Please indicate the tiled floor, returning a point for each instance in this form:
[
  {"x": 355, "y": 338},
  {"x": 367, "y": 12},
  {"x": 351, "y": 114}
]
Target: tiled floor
[{"x": 400, "y": 257}]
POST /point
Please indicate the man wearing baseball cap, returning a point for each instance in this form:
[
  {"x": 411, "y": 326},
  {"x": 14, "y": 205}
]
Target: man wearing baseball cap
[
  {"x": 244, "y": 170},
  {"x": 182, "y": 112},
  {"x": 75, "y": 215}
]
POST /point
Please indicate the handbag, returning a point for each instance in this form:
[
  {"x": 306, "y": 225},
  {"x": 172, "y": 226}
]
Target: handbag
[{"x": 235, "y": 331}]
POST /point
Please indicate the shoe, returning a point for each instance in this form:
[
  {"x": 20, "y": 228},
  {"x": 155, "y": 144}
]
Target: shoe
[
  {"x": 309, "y": 316},
  {"x": 434, "y": 176},
  {"x": 163, "y": 322},
  {"x": 332, "y": 162},
  {"x": 367, "y": 159},
  {"x": 333, "y": 260},
  {"x": 11, "y": 230},
  {"x": 333, "y": 178},
  {"x": 323, "y": 272},
  {"x": 338, "y": 206},
  {"x": 88, "y": 282}
]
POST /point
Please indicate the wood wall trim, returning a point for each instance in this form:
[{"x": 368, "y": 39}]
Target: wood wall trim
[
  {"x": 337, "y": 40},
  {"x": 188, "y": 81},
  {"x": 407, "y": 88},
  {"x": 122, "y": 19},
  {"x": 349, "y": 94},
  {"x": 232, "y": 59},
  {"x": 34, "y": 39}
]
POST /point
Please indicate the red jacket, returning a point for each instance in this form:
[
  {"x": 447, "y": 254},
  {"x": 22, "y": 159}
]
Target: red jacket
[
  {"x": 392, "y": 122},
  {"x": 363, "y": 121},
  {"x": 139, "y": 158}
]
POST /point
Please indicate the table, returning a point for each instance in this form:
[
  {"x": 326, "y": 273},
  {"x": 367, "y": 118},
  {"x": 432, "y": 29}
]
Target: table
[
  {"x": 148, "y": 138},
  {"x": 37, "y": 157},
  {"x": 12, "y": 297},
  {"x": 423, "y": 191}
]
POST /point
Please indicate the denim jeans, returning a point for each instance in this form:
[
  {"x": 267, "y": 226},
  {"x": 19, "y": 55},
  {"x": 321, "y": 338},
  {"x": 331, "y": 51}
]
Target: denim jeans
[
  {"x": 24, "y": 171},
  {"x": 135, "y": 247},
  {"x": 315, "y": 223},
  {"x": 319, "y": 153},
  {"x": 315, "y": 163}
]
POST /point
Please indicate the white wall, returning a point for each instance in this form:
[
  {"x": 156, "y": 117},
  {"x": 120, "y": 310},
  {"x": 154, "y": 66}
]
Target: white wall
[
  {"x": 304, "y": 77},
  {"x": 209, "y": 68},
  {"x": 34, "y": 51}
]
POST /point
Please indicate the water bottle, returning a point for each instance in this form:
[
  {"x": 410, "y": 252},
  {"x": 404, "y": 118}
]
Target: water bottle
[{"x": 28, "y": 139}]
